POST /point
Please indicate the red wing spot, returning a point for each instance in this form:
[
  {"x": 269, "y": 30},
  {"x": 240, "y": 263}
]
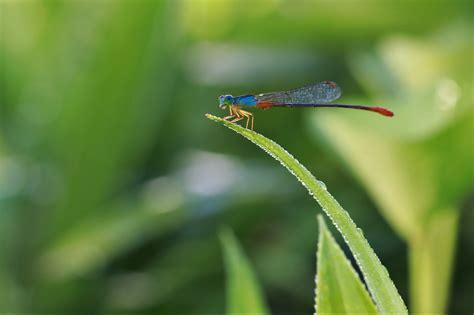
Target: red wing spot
[{"x": 264, "y": 104}]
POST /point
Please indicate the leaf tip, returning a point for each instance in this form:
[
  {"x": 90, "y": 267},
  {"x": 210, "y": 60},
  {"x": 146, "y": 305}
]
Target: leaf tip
[
  {"x": 224, "y": 233},
  {"x": 212, "y": 117},
  {"x": 321, "y": 222}
]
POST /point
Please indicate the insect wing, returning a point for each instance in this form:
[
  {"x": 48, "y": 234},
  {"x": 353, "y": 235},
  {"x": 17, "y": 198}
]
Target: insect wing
[{"x": 323, "y": 92}]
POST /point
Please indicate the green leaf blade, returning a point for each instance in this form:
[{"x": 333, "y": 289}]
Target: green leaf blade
[
  {"x": 338, "y": 287},
  {"x": 376, "y": 276},
  {"x": 244, "y": 295}
]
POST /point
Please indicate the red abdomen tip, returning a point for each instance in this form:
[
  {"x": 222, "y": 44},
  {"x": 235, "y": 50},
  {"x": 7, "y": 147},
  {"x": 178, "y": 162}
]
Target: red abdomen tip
[{"x": 383, "y": 111}]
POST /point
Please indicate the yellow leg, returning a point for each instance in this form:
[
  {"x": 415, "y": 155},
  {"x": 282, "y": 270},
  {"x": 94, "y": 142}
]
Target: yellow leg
[
  {"x": 237, "y": 119},
  {"x": 247, "y": 115},
  {"x": 237, "y": 114},
  {"x": 247, "y": 122},
  {"x": 232, "y": 113},
  {"x": 244, "y": 114}
]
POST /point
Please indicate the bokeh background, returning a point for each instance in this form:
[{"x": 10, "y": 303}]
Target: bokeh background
[{"x": 113, "y": 184}]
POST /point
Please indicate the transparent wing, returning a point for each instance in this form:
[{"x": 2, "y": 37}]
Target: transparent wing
[{"x": 323, "y": 92}]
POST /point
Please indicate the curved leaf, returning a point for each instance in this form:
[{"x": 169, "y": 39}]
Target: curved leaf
[
  {"x": 376, "y": 276},
  {"x": 338, "y": 287}
]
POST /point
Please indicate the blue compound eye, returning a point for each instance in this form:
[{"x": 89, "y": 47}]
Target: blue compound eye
[{"x": 225, "y": 100}]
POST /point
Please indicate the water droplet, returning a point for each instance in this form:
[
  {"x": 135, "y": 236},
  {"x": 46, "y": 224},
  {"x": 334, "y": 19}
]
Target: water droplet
[{"x": 322, "y": 184}]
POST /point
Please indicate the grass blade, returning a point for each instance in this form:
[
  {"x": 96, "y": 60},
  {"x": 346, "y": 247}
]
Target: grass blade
[
  {"x": 244, "y": 295},
  {"x": 380, "y": 285},
  {"x": 338, "y": 287}
]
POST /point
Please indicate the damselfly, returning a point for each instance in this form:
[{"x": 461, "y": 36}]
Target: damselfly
[{"x": 316, "y": 95}]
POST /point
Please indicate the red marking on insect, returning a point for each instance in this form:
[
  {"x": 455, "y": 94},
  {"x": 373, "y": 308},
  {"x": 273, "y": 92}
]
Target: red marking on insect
[
  {"x": 264, "y": 104},
  {"x": 382, "y": 111}
]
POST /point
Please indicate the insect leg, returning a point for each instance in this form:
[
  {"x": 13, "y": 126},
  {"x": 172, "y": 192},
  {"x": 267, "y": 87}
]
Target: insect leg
[
  {"x": 237, "y": 119},
  {"x": 231, "y": 113},
  {"x": 236, "y": 112},
  {"x": 249, "y": 117}
]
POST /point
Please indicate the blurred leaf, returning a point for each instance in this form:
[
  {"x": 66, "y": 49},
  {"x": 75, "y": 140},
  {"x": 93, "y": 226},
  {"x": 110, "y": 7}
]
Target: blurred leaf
[
  {"x": 375, "y": 274},
  {"x": 427, "y": 100},
  {"x": 107, "y": 116},
  {"x": 338, "y": 287},
  {"x": 94, "y": 243},
  {"x": 94, "y": 94},
  {"x": 418, "y": 165},
  {"x": 244, "y": 295},
  {"x": 431, "y": 255},
  {"x": 313, "y": 21},
  {"x": 88, "y": 83}
]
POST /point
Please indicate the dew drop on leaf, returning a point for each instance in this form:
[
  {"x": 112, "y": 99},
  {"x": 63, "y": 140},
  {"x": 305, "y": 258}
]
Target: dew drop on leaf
[{"x": 322, "y": 184}]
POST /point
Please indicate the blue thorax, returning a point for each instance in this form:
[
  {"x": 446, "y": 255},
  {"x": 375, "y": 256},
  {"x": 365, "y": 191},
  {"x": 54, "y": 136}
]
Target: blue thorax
[{"x": 245, "y": 100}]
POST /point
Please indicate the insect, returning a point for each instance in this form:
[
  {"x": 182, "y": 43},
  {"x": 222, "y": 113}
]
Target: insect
[{"x": 315, "y": 95}]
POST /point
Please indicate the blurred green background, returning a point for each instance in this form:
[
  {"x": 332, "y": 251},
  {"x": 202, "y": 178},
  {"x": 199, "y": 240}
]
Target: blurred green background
[{"x": 113, "y": 184}]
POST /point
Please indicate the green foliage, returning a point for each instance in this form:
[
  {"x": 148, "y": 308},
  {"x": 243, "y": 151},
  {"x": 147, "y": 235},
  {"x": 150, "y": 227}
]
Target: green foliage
[
  {"x": 244, "y": 295},
  {"x": 418, "y": 165},
  {"x": 378, "y": 281},
  {"x": 110, "y": 187},
  {"x": 88, "y": 246},
  {"x": 338, "y": 287}
]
